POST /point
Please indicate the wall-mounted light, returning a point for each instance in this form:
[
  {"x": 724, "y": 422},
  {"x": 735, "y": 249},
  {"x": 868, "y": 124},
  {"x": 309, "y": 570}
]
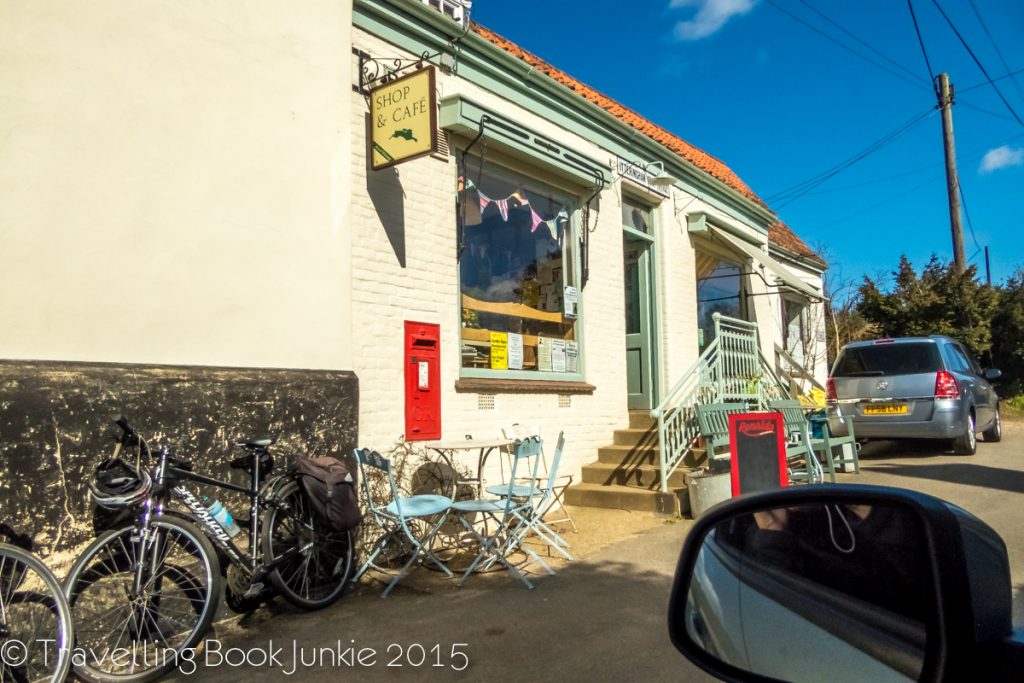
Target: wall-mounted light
[{"x": 663, "y": 179}]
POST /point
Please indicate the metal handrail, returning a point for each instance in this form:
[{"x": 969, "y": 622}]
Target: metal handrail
[{"x": 731, "y": 367}]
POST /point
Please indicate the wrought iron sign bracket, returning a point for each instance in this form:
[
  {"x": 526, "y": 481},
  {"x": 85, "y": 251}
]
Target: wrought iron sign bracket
[{"x": 374, "y": 71}]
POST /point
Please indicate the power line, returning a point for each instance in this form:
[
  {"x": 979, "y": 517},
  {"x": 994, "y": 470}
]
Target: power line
[
  {"x": 982, "y": 109},
  {"x": 970, "y": 156},
  {"x": 875, "y": 181},
  {"x": 920, "y": 41},
  {"x": 997, "y": 78},
  {"x": 862, "y": 42},
  {"x": 963, "y": 201},
  {"x": 875, "y": 206},
  {"x": 915, "y": 83},
  {"x": 794, "y": 192},
  {"x": 976, "y": 61},
  {"x": 998, "y": 51}
]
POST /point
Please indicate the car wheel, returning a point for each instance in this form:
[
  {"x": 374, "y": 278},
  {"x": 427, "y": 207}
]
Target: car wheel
[
  {"x": 994, "y": 434},
  {"x": 966, "y": 443}
]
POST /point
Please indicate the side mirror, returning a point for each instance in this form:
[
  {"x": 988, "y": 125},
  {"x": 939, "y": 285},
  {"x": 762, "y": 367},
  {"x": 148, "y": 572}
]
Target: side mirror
[
  {"x": 838, "y": 582},
  {"x": 992, "y": 374}
]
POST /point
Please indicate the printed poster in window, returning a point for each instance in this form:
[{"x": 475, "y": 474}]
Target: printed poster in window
[
  {"x": 571, "y": 301},
  {"x": 572, "y": 356},
  {"x": 544, "y": 354},
  {"x": 515, "y": 351},
  {"x": 499, "y": 351},
  {"x": 558, "y": 355}
]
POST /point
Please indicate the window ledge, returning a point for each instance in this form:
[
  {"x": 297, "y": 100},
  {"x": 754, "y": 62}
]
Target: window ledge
[{"x": 521, "y": 386}]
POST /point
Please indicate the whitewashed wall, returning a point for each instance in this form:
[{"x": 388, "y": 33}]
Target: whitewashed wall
[{"x": 174, "y": 182}]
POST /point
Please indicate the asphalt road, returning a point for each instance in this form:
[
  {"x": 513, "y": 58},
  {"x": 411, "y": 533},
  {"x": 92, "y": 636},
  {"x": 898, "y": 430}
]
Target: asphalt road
[
  {"x": 989, "y": 484},
  {"x": 602, "y": 619}
]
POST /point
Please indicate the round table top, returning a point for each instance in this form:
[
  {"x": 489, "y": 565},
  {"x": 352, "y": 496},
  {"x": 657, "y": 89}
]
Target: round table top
[{"x": 467, "y": 444}]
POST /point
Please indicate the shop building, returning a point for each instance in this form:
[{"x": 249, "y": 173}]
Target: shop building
[
  {"x": 570, "y": 253},
  {"x": 193, "y": 235}
]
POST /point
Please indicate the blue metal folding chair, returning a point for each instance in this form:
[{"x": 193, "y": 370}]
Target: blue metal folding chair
[
  {"x": 399, "y": 517},
  {"x": 506, "y": 513},
  {"x": 542, "y": 499}
]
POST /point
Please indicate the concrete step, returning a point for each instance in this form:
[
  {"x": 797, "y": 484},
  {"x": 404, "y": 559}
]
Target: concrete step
[
  {"x": 644, "y": 476},
  {"x": 641, "y": 419},
  {"x": 632, "y": 437},
  {"x": 628, "y": 455},
  {"x": 628, "y": 498}
]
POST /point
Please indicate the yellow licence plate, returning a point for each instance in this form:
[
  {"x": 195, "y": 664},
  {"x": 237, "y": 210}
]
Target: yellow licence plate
[{"x": 885, "y": 409}]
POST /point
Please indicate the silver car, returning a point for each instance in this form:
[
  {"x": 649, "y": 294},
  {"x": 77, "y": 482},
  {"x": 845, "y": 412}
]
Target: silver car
[{"x": 914, "y": 388}]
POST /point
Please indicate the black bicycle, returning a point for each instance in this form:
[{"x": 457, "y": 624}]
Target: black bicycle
[
  {"x": 148, "y": 590},
  {"x": 35, "y": 621}
]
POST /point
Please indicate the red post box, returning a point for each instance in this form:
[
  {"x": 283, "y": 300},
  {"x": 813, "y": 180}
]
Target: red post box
[{"x": 422, "y": 381}]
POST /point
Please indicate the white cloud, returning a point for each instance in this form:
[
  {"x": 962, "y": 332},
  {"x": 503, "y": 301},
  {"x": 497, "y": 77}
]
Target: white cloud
[
  {"x": 1001, "y": 157},
  {"x": 710, "y": 16}
]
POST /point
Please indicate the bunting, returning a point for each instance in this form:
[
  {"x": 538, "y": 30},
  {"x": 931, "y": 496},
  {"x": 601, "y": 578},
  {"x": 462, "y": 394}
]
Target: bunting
[{"x": 474, "y": 216}]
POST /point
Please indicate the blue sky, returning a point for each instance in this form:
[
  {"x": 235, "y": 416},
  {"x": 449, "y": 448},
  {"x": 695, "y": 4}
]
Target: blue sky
[{"x": 781, "y": 103}]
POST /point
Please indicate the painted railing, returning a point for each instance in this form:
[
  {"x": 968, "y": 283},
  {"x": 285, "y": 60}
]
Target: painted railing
[
  {"x": 731, "y": 368},
  {"x": 791, "y": 371}
]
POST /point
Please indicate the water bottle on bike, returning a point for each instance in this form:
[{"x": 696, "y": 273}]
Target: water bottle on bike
[{"x": 223, "y": 517}]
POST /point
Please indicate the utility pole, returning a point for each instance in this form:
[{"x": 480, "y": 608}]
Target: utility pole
[{"x": 945, "y": 92}]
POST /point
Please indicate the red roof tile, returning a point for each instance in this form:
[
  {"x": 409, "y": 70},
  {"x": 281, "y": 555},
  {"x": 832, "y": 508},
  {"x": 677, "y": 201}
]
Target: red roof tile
[
  {"x": 779, "y": 233},
  {"x": 782, "y": 236},
  {"x": 697, "y": 157}
]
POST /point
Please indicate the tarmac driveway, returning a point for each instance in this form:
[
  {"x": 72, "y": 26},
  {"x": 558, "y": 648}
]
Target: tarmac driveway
[
  {"x": 989, "y": 484},
  {"x": 600, "y": 619}
]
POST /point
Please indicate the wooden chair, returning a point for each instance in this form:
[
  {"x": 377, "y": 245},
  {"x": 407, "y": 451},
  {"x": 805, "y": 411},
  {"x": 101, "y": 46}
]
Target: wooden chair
[
  {"x": 828, "y": 442},
  {"x": 713, "y": 422},
  {"x": 801, "y": 449}
]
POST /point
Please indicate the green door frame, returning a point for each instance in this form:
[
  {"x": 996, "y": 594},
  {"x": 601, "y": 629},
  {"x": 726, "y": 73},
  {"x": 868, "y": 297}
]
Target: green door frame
[{"x": 641, "y": 348}]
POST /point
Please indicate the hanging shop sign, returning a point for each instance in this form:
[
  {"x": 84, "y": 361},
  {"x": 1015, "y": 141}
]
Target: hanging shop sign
[{"x": 403, "y": 119}]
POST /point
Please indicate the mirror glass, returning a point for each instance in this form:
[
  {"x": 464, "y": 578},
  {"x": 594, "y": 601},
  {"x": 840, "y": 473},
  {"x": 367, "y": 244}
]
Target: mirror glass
[{"x": 815, "y": 592}]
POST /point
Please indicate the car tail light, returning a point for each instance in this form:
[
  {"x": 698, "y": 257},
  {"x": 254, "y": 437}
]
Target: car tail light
[
  {"x": 946, "y": 385},
  {"x": 830, "y": 390}
]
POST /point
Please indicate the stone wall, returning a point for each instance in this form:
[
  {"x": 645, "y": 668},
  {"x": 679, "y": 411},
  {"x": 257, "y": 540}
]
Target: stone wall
[{"x": 56, "y": 424}]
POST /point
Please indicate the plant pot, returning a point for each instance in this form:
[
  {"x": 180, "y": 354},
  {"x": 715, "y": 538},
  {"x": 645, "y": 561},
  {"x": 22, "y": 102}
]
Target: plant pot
[{"x": 707, "y": 489}]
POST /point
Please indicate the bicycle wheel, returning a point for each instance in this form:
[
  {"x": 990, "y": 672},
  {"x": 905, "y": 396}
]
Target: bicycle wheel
[
  {"x": 35, "y": 621},
  {"x": 319, "y": 562},
  {"x": 156, "y": 626}
]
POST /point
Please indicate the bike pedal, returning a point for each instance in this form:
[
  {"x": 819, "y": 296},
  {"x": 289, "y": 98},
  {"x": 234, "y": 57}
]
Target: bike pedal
[{"x": 255, "y": 590}]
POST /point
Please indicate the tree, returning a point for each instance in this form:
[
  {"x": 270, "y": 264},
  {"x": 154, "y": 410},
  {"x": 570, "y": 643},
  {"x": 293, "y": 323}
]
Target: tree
[
  {"x": 940, "y": 301},
  {"x": 1008, "y": 335},
  {"x": 842, "y": 322}
]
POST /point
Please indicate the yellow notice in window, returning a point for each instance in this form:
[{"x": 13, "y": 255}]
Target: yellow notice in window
[{"x": 499, "y": 351}]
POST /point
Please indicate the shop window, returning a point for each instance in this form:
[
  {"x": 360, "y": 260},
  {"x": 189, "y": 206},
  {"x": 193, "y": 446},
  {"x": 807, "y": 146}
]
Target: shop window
[
  {"x": 794, "y": 329},
  {"x": 636, "y": 216},
  {"x": 719, "y": 290},
  {"x": 518, "y": 277}
]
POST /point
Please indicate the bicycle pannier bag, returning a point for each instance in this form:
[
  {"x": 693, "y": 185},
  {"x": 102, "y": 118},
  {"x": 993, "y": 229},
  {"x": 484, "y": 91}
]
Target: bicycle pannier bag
[{"x": 331, "y": 487}]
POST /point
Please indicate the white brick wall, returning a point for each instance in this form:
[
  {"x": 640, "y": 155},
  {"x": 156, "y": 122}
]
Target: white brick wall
[
  {"x": 408, "y": 213},
  {"x": 420, "y": 195}
]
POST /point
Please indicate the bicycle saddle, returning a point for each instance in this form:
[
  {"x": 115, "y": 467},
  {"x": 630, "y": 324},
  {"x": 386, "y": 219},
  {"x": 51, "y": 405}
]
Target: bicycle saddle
[{"x": 257, "y": 442}]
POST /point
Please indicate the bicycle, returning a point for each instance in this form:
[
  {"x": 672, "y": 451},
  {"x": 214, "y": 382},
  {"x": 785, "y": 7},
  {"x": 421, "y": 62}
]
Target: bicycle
[
  {"x": 152, "y": 586},
  {"x": 35, "y": 620}
]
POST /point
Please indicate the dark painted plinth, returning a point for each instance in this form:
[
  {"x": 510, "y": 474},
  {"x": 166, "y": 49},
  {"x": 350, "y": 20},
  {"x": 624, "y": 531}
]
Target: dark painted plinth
[{"x": 56, "y": 425}]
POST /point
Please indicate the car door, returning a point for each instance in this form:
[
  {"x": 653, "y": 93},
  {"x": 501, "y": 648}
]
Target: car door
[
  {"x": 985, "y": 395},
  {"x": 978, "y": 387}
]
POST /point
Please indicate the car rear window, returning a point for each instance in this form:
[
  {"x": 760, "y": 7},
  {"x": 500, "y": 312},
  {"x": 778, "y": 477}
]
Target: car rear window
[{"x": 888, "y": 359}]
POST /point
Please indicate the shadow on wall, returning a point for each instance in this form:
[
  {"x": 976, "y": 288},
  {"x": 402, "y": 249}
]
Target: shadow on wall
[
  {"x": 388, "y": 197},
  {"x": 56, "y": 425}
]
